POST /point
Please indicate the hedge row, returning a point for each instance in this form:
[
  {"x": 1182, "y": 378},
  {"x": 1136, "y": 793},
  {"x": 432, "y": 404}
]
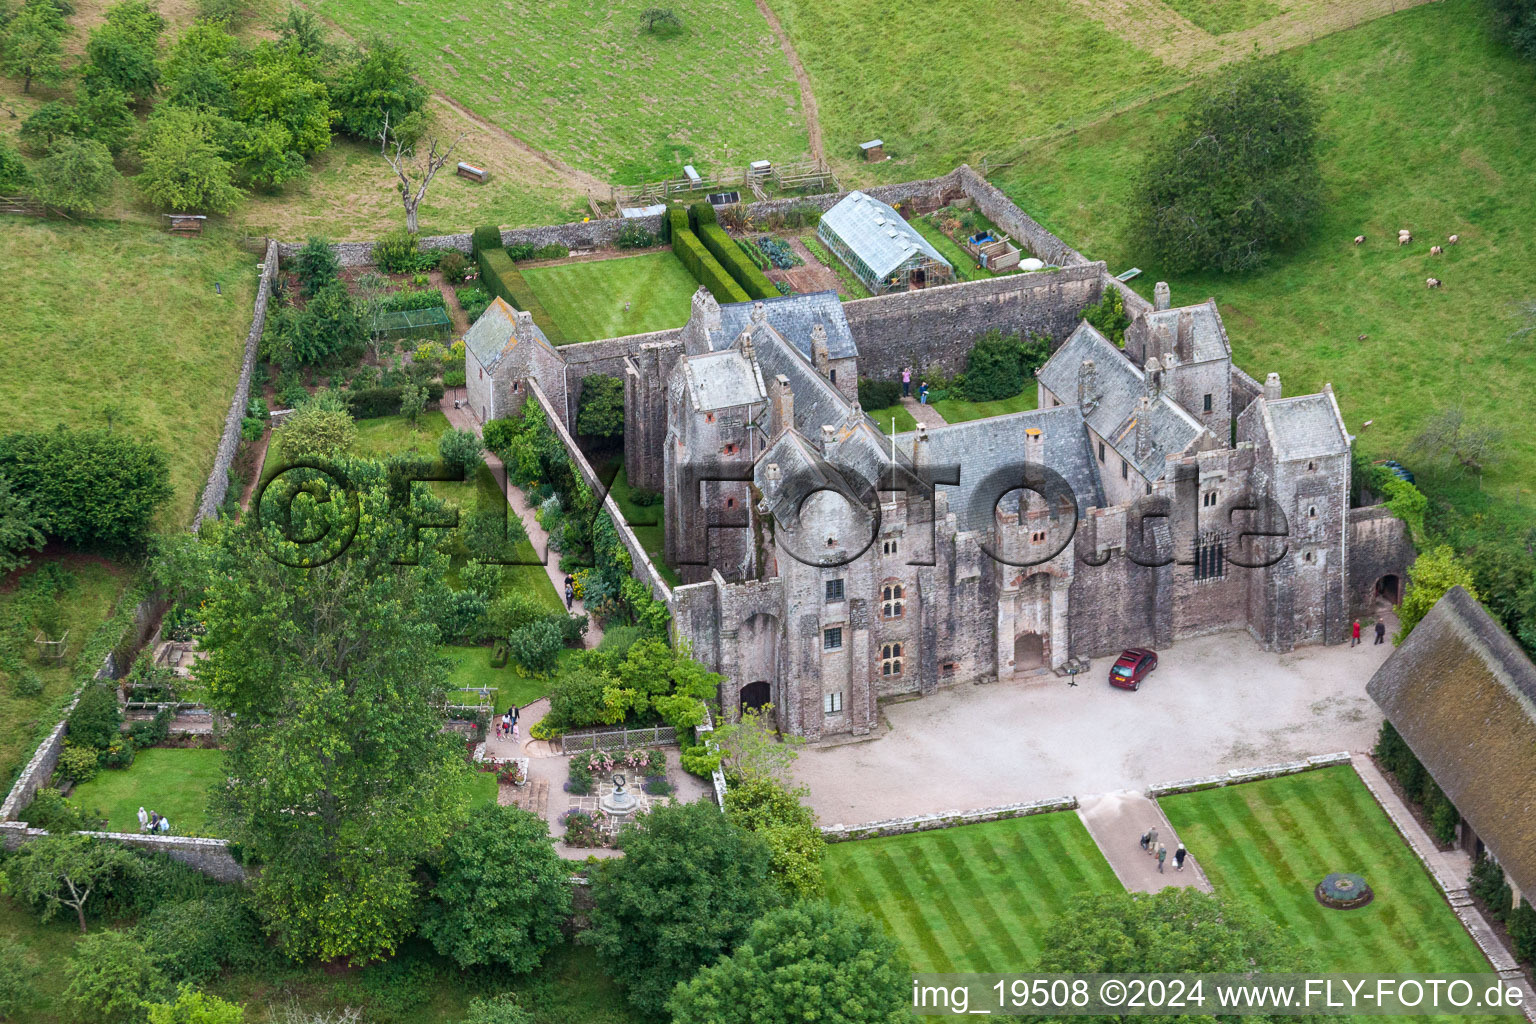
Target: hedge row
[
  {"x": 371, "y": 403},
  {"x": 484, "y": 238},
  {"x": 500, "y": 277},
  {"x": 736, "y": 262},
  {"x": 705, "y": 268}
]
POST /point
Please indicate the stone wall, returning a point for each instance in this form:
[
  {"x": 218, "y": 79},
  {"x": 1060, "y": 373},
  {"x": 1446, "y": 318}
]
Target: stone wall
[
  {"x": 948, "y": 819},
  {"x": 1239, "y": 775},
  {"x": 36, "y": 775},
  {"x": 934, "y": 328},
  {"x": 210, "y": 856},
  {"x": 1024, "y": 229},
  {"x": 1379, "y": 546},
  {"x": 218, "y": 477}
]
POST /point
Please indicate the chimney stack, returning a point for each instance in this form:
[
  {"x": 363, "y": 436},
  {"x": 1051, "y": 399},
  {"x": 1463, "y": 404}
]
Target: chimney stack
[
  {"x": 828, "y": 432},
  {"x": 1143, "y": 429},
  {"x": 1154, "y": 378},
  {"x": 1184, "y": 344},
  {"x": 522, "y": 325},
  {"x": 1087, "y": 387},
  {"x": 759, "y": 313},
  {"x": 783, "y": 406},
  {"x": 821, "y": 356},
  {"x": 1161, "y": 299},
  {"x": 1272, "y": 388}
]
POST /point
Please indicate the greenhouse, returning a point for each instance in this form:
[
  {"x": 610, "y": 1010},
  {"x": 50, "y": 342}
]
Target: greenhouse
[
  {"x": 880, "y": 247},
  {"x": 412, "y": 323}
]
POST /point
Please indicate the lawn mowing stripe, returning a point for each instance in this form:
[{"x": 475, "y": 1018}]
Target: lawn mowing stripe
[
  {"x": 918, "y": 927},
  {"x": 956, "y": 937},
  {"x": 983, "y": 907},
  {"x": 864, "y": 893},
  {"x": 1021, "y": 897},
  {"x": 1040, "y": 910}
]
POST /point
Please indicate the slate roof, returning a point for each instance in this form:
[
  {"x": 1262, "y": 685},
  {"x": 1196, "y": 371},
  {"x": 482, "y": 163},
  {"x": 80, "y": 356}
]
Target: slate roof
[
  {"x": 495, "y": 332},
  {"x": 817, "y": 400},
  {"x": 1463, "y": 697},
  {"x": 1208, "y": 338},
  {"x": 1305, "y": 427},
  {"x": 876, "y": 233},
  {"x": 1119, "y": 385},
  {"x": 979, "y": 447},
  {"x": 722, "y": 380},
  {"x": 792, "y": 317}
]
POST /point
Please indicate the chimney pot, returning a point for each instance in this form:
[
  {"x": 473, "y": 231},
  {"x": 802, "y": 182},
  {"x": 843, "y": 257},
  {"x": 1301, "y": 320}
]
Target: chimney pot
[
  {"x": 1272, "y": 387},
  {"x": 1161, "y": 299}
]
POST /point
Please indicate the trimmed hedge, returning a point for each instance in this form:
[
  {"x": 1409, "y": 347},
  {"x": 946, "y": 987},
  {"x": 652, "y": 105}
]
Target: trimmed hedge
[
  {"x": 736, "y": 262},
  {"x": 705, "y": 268},
  {"x": 700, "y": 214},
  {"x": 499, "y": 277},
  {"x": 484, "y": 238},
  {"x": 371, "y": 403}
]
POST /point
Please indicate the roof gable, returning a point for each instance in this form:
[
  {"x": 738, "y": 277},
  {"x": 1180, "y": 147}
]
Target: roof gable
[
  {"x": 791, "y": 317},
  {"x": 495, "y": 333}
]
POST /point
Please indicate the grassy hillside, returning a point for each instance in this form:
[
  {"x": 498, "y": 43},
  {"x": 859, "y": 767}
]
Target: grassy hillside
[
  {"x": 1428, "y": 122},
  {"x": 578, "y": 79},
  {"x": 126, "y": 319}
]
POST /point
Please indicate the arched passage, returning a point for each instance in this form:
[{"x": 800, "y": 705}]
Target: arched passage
[
  {"x": 755, "y": 695},
  {"x": 1028, "y": 652},
  {"x": 1389, "y": 589}
]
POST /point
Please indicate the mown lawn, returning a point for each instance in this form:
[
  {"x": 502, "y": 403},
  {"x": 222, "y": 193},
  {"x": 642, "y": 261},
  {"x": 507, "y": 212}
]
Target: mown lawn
[
  {"x": 581, "y": 80},
  {"x": 1269, "y": 843},
  {"x": 956, "y": 411},
  {"x": 646, "y": 521},
  {"x": 976, "y": 898},
  {"x": 97, "y": 586},
  {"x": 1219, "y": 17},
  {"x": 125, "y": 323},
  {"x": 383, "y": 436},
  {"x": 472, "y": 668},
  {"x": 174, "y": 781},
  {"x": 587, "y": 299},
  {"x": 1428, "y": 126},
  {"x": 904, "y": 420}
]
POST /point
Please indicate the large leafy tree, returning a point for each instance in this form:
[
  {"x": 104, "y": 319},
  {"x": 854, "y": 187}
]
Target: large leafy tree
[
  {"x": 184, "y": 163},
  {"x": 32, "y": 44},
  {"x": 1239, "y": 178},
  {"x": 66, "y": 873},
  {"x": 686, "y": 892},
  {"x": 600, "y": 413},
  {"x": 286, "y": 110},
  {"x": 1432, "y": 573},
  {"x": 378, "y": 84},
  {"x": 342, "y": 779},
  {"x": 809, "y": 961},
  {"x": 112, "y": 506},
  {"x": 123, "y": 53},
  {"x": 774, "y": 811},
  {"x": 77, "y": 176},
  {"x": 502, "y": 892},
  {"x": 21, "y": 527},
  {"x": 111, "y": 976},
  {"x": 199, "y": 70}
]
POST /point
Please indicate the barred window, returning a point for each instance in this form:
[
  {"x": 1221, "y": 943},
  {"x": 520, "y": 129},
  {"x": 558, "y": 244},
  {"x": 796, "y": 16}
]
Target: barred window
[
  {"x": 834, "y": 590},
  {"x": 1210, "y": 557},
  {"x": 832, "y": 639}
]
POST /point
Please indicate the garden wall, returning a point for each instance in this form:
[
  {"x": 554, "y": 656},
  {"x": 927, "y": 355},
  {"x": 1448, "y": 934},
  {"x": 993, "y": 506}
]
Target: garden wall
[
  {"x": 218, "y": 478},
  {"x": 1240, "y": 775},
  {"x": 948, "y": 819},
  {"x": 210, "y": 856},
  {"x": 936, "y": 327},
  {"x": 1379, "y": 546}
]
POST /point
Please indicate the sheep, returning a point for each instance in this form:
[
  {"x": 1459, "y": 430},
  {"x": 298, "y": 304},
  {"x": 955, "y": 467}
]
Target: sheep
[
  {"x": 1431, "y": 282},
  {"x": 1362, "y": 337},
  {"x": 1359, "y": 239},
  {"x": 1435, "y": 250},
  {"x": 1453, "y": 240},
  {"x": 1403, "y": 237}
]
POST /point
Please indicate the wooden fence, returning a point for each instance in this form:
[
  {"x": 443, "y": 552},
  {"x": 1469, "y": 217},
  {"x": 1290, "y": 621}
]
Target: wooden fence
[{"x": 617, "y": 739}]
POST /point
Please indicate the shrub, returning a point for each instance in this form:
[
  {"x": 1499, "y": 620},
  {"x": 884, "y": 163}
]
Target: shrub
[
  {"x": 483, "y": 239},
  {"x": 1522, "y": 932},
  {"x": 25, "y": 682},
  {"x": 111, "y": 976},
  {"x": 1108, "y": 316},
  {"x": 454, "y": 266},
  {"x": 111, "y": 507},
  {"x": 789, "y": 827},
  {"x": 878, "y": 394},
  {"x": 49, "y": 810},
  {"x": 700, "y": 214},
  {"x": 251, "y": 429},
  {"x": 703, "y": 266},
  {"x": 96, "y": 720},
  {"x": 1001, "y": 366},
  {"x": 321, "y": 427},
  {"x": 1487, "y": 882},
  {"x": 536, "y": 647},
  {"x": 460, "y": 451},
  {"x": 16, "y": 973},
  {"x": 193, "y": 940},
  {"x": 502, "y": 1009},
  {"x": 552, "y": 251},
  {"x": 399, "y": 253},
  {"x": 657, "y": 785},
  {"x": 580, "y": 830},
  {"x": 79, "y": 763},
  {"x": 735, "y": 262},
  {"x": 571, "y": 627},
  {"x": 519, "y": 251},
  {"x": 316, "y": 265},
  {"x": 473, "y": 299},
  {"x": 512, "y": 611},
  {"x": 371, "y": 403},
  {"x": 194, "y": 1007},
  {"x": 635, "y": 236},
  {"x": 119, "y": 754},
  {"x": 454, "y": 377}
]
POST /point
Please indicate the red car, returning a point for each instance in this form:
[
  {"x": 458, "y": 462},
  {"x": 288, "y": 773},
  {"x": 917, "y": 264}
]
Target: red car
[{"x": 1133, "y": 665}]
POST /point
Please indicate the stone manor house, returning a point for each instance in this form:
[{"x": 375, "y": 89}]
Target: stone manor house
[{"x": 1157, "y": 492}]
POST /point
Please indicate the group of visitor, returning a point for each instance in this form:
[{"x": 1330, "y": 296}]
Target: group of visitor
[
  {"x": 906, "y": 386},
  {"x": 506, "y": 725},
  {"x": 151, "y": 821},
  {"x": 1156, "y": 849}
]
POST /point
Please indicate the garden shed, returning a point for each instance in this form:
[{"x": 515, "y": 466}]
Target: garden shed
[{"x": 880, "y": 247}]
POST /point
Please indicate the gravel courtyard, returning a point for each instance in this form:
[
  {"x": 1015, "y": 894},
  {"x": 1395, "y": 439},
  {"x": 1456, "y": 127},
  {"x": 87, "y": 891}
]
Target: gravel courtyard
[{"x": 1214, "y": 703}]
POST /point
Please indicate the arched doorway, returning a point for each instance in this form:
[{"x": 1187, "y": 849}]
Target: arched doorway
[
  {"x": 755, "y": 695},
  {"x": 1388, "y": 589},
  {"x": 1028, "y": 652}
]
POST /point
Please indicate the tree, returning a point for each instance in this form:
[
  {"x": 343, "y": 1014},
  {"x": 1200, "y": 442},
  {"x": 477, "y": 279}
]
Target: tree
[
  {"x": 321, "y": 427},
  {"x": 97, "y": 719},
  {"x": 1239, "y": 178},
  {"x": 21, "y": 527},
  {"x": 198, "y": 72},
  {"x": 753, "y": 750},
  {"x": 184, "y": 163},
  {"x": 110, "y": 978},
  {"x": 17, "y": 970},
  {"x": 194, "y": 1007},
  {"x": 502, "y": 1009},
  {"x": 413, "y": 401},
  {"x": 685, "y": 893},
  {"x": 377, "y": 86},
  {"x": 77, "y": 176},
  {"x": 460, "y": 451},
  {"x": 106, "y": 116},
  {"x": 1518, "y": 19},
  {"x": 14, "y": 176},
  {"x": 122, "y": 53},
  {"x": 809, "y": 961},
  {"x": 1429, "y": 577},
  {"x": 600, "y": 412},
  {"x": 286, "y": 111},
  {"x": 32, "y": 44},
  {"x": 316, "y": 265},
  {"x": 414, "y": 176},
  {"x": 48, "y": 124},
  {"x": 660, "y": 21},
  {"x": 342, "y": 779},
  {"x": 112, "y": 507},
  {"x": 1170, "y": 932},
  {"x": 1448, "y": 437},
  {"x": 300, "y": 29},
  {"x": 775, "y": 812},
  {"x": 502, "y": 892},
  {"x": 64, "y": 872}
]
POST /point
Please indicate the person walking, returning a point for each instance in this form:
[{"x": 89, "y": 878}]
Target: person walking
[
  {"x": 165, "y": 825},
  {"x": 906, "y": 382},
  {"x": 1151, "y": 844},
  {"x": 570, "y": 596},
  {"x": 922, "y": 394},
  {"x": 1381, "y": 631},
  {"x": 1145, "y": 839},
  {"x": 1354, "y": 633},
  {"x": 1178, "y": 857},
  {"x": 154, "y": 821},
  {"x": 1162, "y": 855},
  {"x": 143, "y": 820}
]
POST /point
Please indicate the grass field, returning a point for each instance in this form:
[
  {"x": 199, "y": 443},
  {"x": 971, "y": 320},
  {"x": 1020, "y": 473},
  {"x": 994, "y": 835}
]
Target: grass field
[
  {"x": 1428, "y": 121},
  {"x": 1268, "y": 843},
  {"x": 904, "y": 420},
  {"x": 587, "y": 299},
  {"x": 99, "y": 583},
  {"x": 955, "y": 411},
  {"x": 976, "y": 898},
  {"x": 472, "y": 667},
  {"x": 1221, "y": 16},
  {"x": 383, "y": 436},
  {"x": 581, "y": 81},
  {"x": 104, "y": 317},
  {"x": 174, "y": 781}
]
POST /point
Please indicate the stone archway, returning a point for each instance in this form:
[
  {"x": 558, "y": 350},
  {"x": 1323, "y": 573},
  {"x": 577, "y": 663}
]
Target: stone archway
[
  {"x": 1028, "y": 652},
  {"x": 1389, "y": 589},
  {"x": 756, "y": 695}
]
